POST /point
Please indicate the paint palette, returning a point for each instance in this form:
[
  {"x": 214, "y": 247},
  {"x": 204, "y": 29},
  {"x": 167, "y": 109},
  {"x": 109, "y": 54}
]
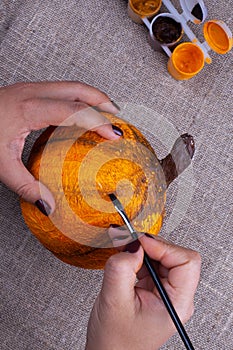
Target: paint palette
[{"x": 166, "y": 30}]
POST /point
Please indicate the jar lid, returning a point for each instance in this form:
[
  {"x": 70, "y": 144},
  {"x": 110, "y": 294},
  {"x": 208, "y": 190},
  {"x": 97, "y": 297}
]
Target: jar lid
[
  {"x": 194, "y": 10},
  {"x": 218, "y": 36}
]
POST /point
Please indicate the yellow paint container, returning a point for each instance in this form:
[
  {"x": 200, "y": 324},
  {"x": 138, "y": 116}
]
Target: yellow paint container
[
  {"x": 186, "y": 61},
  {"x": 138, "y": 9}
]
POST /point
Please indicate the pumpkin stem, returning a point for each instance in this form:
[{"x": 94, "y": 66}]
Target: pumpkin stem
[{"x": 179, "y": 158}]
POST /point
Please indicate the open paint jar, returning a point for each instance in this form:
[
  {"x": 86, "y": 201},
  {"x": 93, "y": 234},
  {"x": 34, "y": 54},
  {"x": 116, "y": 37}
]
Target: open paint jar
[
  {"x": 188, "y": 59},
  {"x": 138, "y": 9},
  {"x": 165, "y": 29},
  {"x": 193, "y": 10}
]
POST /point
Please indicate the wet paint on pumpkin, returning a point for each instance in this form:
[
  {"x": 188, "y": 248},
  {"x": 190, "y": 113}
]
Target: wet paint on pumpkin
[{"x": 71, "y": 248}]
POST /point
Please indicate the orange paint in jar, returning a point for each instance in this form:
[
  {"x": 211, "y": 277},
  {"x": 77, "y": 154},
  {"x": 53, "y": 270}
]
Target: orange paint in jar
[
  {"x": 186, "y": 61},
  {"x": 218, "y": 36},
  {"x": 145, "y": 8},
  {"x": 138, "y": 9}
]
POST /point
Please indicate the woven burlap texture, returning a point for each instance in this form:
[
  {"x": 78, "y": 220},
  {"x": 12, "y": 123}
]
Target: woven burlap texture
[{"x": 45, "y": 304}]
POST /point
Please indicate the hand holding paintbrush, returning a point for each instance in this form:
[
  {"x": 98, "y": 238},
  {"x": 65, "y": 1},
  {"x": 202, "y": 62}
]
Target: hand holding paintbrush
[
  {"x": 133, "y": 316},
  {"x": 154, "y": 275}
]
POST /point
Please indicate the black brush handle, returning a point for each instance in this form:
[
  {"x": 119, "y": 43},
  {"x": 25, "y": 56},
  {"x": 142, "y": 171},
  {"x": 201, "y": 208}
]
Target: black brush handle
[{"x": 168, "y": 304}]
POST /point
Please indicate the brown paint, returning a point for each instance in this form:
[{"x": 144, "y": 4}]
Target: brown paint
[{"x": 166, "y": 30}]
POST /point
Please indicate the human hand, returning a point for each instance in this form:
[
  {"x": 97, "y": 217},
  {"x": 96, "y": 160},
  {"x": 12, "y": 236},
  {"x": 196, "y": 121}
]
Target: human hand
[
  {"x": 25, "y": 107},
  {"x": 128, "y": 316}
]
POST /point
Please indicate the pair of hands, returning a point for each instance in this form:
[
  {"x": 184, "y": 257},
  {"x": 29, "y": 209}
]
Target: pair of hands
[{"x": 125, "y": 315}]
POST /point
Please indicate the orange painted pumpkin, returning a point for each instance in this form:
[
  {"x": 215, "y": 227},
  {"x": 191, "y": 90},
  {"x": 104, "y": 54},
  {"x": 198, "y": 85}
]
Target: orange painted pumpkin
[{"x": 80, "y": 169}]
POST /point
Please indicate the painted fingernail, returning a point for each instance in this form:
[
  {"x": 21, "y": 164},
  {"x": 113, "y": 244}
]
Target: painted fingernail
[
  {"x": 96, "y": 108},
  {"x": 121, "y": 228},
  {"x": 132, "y": 247},
  {"x": 115, "y": 105},
  {"x": 117, "y": 130},
  {"x": 121, "y": 238},
  {"x": 43, "y": 207},
  {"x": 148, "y": 235}
]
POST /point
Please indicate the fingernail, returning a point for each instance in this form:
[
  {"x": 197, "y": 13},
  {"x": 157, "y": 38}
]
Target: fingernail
[
  {"x": 121, "y": 238},
  {"x": 115, "y": 105},
  {"x": 43, "y": 207},
  {"x": 117, "y": 130},
  {"x": 121, "y": 228},
  {"x": 148, "y": 235},
  {"x": 97, "y": 109},
  {"x": 132, "y": 247}
]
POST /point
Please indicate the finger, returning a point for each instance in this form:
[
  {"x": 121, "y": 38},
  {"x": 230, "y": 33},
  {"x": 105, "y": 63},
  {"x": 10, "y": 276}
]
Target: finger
[
  {"x": 183, "y": 264},
  {"x": 70, "y": 90},
  {"x": 120, "y": 237},
  {"x": 146, "y": 283},
  {"x": 163, "y": 271},
  {"x": 143, "y": 272},
  {"x": 41, "y": 113},
  {"x": 144, "y": 277},
  {"x": 160, "y": 269},
  {"x": 19, "y": 180},
  {"x": 119, "y": 277}
]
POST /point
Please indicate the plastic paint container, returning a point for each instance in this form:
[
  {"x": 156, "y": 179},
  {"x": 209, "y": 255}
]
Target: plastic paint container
[
  {"x": 186, "y": 61},
  {"x": 138, "y": 9},
  {"x": 218, "y": 36},
  {"x": 188, "y": 58},
  {"x": 165, "y": 29},
  {"x": 193, "y": 10}
]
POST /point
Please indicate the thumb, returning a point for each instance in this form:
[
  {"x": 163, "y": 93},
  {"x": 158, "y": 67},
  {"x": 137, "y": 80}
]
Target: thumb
[
  {"x": 120, "y": 275},
  {"x": 179, "y": 262},
  {"x": 20, "y": 180}
]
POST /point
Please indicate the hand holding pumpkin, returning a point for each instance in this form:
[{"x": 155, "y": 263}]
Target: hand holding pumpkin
[
  {"x": 25, "y": 107},
  {"x": 128, "y": 316}
]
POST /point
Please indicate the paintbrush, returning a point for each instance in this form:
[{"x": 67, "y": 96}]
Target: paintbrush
[{"x": 148, "y": 263}]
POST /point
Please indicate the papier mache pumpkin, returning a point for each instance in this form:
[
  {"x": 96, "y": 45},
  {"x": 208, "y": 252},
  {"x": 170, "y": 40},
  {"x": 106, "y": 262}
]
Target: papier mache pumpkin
[{"x": 81, "y": 168}]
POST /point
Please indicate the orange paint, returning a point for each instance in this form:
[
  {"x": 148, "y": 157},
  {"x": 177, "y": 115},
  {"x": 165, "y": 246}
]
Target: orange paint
[
  {"x": 208, "y": 60},
  {"x": 80, "y": 172},
  {"x": 186, "y": 61},
  {"x": 145, "y": 8},
  {"x": 218, "y": 36}
]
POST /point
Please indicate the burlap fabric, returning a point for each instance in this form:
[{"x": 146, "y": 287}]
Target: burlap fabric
[{"x": 45, "y": 304}]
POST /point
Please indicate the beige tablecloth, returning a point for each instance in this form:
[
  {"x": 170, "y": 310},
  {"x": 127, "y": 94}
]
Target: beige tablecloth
[{"x": 45, "y": 303}]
